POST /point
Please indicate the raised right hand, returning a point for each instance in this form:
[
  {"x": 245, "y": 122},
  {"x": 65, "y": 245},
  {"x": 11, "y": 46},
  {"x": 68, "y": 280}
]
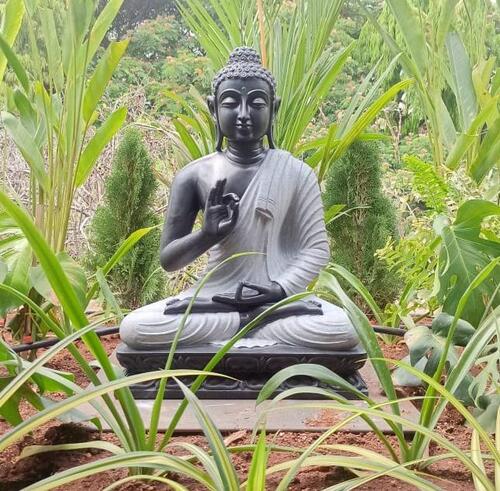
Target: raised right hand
[{"x": 221, "y": 211}]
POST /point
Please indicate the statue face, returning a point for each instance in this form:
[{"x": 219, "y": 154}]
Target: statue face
[{"x": 244, "y": 109}]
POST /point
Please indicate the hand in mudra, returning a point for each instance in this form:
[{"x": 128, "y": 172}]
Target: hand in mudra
[
  {"x": 261, "y": 294},
  {"x": 221, "y": 211}
]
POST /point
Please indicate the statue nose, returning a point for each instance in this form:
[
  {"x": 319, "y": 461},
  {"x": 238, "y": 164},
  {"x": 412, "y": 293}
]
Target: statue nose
[{"x": 243, "y": 116}]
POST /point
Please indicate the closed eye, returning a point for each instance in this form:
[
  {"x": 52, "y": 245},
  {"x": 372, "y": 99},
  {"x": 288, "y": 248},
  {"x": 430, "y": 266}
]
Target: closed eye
[
  {"x": 229, "y": 102},
  {"x": 259, "y": 102}
]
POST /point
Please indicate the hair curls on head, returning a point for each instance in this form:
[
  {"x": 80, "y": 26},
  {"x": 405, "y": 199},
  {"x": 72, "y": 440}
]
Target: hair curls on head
[{"x": 244, "y": 62}]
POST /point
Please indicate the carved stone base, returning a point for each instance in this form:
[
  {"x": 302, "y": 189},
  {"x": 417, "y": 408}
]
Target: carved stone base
[{"x": 251, "y": 366}]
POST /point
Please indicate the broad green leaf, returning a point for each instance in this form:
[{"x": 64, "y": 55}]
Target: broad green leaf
[
  {"x": 487, "y": 157},
  {"x": 54, "y": 55},
  {"x": 447, "y": 13},
  {"x": 187, "y": 139},
  {"x": 477, "y": 344},
  {"x": 74, "y": 273},
  {"x": 101, "y": 76},
  {"x": 463, "y": 331},
  {"x": 487, "y": 415},
  {"x": 4, "y": 269},
  {"x": 102, "y": 24},
  {"x": 10, "y": 409},
  {"x": 472, "y": 134},
  {"x": 411, "y": 29},
  {"x": 17, "y": 277},
  {"x": 27, "y": 146},
  {"x": 463, "y": 254},
  {"x": 96, "y": 145},
  {"x": 48, "y": 261},
  {"x": 49, "y": 380},
  {"x": 13, "y": 13},
  {"x": 426, "y": 348},
  {"x": 462, "y": 80},
  {"x": 26, "y": 112},
  {"x": 80, "y": 16}
]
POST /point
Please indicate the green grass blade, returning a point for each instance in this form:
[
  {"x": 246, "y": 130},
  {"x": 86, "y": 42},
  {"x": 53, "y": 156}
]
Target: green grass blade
[
  {"x": 145, "y": 477},
  {"x": 475, "y": 448},
  {"x": 220, "y": 454},
  {"x": 25, "y": 375},
  {"x": 124, "y": 248},
  {"x": 355, "y": 283},
  {"x": 417, "y": 427},
  {"x": 451, "y": 399},
  {"x": 256, "y": 480},
  {"x": 204, "y": 459},
  {"x": 151, "y": 460},
  {"x": 99, "y": 445},
  {"x": 90, "y": 394}
]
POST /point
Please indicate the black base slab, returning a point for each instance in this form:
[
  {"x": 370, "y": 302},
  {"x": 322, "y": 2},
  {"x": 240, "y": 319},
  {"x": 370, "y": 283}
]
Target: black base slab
[
  {"x": 251, "y": 366},
  {"x": 217, "y": 388}
]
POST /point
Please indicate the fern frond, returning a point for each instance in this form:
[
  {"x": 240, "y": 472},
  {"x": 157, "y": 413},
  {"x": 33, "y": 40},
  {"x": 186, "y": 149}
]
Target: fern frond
[{"x": 431, "y": 187}]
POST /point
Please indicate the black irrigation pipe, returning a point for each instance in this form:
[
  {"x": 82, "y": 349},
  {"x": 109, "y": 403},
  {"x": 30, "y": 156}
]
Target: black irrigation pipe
[
  {"x": 47, "y": 343},
  {"x": 106, "y": 331}
]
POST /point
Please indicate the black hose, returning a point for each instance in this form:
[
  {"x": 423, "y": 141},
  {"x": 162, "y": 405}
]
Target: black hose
[{"x": 46, "y": 343}]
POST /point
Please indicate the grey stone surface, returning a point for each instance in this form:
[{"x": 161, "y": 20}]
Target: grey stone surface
[{"x": 231, "y": 415}]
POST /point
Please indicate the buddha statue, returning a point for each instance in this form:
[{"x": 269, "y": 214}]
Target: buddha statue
[{"x": 254, "y": 199}]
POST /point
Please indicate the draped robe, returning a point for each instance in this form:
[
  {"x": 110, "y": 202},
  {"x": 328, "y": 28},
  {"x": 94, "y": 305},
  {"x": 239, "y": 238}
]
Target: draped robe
[{"x": 281, "y": 219}]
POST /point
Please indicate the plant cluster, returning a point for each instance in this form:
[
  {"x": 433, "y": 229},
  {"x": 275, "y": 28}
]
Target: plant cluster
[
  {"x": 127, "y": 207},
  {"x": 355, "y": 181},
  {"x": 443, "y": 251}
]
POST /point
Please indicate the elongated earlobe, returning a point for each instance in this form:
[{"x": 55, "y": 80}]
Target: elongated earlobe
[
  {"x": 274, "y": 110},
  {"x": 219, "y": 137}
]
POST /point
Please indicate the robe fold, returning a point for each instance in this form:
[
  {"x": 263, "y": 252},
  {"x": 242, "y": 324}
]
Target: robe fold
[{"x": 280, "y": 219}]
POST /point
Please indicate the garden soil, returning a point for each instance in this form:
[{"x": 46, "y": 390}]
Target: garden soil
[{"x": 16, "y": 474}]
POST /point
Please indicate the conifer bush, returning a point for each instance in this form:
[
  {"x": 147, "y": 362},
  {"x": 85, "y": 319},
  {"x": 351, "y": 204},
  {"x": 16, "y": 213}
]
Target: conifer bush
[
  {"x": 128, "y": 206},
  {"x": 355, "y": 181}
]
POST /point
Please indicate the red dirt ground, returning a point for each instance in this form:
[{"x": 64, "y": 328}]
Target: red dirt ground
[{"x": 16, "y": 474}]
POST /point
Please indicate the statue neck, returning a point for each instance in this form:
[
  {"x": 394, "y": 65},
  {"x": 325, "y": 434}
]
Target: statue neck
[{"x": 247, "y": 153}]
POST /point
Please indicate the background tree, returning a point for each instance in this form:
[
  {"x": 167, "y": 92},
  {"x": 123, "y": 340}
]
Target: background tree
[
  {"x": 355, "y": 181},
  {"x": 133, "y": 12},
  {"x": 128, "y": 206}
]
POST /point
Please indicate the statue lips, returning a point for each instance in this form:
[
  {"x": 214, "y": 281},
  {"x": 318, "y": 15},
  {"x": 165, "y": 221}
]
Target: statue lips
[{"x": 244, "y": 128}]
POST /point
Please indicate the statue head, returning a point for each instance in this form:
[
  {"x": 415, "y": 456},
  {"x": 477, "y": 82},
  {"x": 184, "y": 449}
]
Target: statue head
[{"x": 244, "y": 100}]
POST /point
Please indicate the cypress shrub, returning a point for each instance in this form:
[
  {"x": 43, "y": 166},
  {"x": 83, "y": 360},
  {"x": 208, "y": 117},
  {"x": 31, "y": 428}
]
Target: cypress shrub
[
  {"x": 128, "y": 206},
  {"x": 355, "y": 181}
]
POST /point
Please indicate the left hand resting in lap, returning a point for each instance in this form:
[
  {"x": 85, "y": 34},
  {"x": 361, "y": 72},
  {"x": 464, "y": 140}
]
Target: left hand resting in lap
[{"x": 261, "y": 294}]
